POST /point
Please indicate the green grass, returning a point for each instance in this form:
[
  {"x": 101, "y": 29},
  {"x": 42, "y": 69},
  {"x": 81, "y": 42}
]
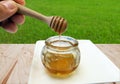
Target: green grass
[{"x": 96, "y": 20}]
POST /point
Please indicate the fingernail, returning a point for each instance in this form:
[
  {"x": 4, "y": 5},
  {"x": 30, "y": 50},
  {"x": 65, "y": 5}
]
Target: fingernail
[{"x": 9, "y": 4}]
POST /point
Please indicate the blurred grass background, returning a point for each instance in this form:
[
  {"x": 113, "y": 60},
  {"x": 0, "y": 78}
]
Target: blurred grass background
[{"x": 96, "y": 20}]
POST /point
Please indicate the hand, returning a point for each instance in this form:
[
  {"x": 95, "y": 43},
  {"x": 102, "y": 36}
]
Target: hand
[{"x": 8, "y": 16}]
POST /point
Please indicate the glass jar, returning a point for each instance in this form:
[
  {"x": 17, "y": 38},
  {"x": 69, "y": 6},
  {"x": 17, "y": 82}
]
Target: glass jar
[{"x": 60, "y": 55}]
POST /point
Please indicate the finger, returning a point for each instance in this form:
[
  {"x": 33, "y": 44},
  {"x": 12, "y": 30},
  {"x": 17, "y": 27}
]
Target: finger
[
  {"x": 22, "y": 2},
  {"x": 9, "y": 26},
  {"x": 18, "y": 19},
  {"x": 7, "y": 9}
]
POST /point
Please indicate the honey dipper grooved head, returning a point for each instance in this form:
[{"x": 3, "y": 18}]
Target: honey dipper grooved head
[{"x": 58, "y": 24}]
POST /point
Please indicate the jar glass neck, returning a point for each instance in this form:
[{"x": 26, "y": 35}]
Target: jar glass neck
[{"x": 61, "y": 43}]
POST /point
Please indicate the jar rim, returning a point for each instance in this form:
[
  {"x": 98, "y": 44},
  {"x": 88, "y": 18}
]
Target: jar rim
[{"x": 61, "y": 42}]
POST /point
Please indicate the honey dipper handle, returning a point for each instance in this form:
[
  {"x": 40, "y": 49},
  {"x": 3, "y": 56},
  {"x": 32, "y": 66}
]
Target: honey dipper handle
[{"x": 29, "y": 12}]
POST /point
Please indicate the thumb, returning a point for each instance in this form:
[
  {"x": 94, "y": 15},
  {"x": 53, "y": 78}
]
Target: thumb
[{"x": 7, "y": 9}]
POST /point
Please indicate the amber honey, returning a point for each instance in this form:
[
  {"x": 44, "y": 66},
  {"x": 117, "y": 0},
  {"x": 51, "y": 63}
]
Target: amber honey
[
  {"x": 60, "y": 58},
  {"x": 61, "y": 64}
]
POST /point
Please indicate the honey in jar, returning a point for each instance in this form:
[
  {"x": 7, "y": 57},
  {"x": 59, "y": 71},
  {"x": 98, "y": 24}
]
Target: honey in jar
[{"x": 61, "y": 55}]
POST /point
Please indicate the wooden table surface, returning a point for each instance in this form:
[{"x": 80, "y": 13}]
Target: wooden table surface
[{"x": 24, "y": 54}]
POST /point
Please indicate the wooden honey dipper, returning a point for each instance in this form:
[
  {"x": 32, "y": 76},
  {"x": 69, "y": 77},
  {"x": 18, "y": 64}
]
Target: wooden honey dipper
[{"x": 57, "y": 23}]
